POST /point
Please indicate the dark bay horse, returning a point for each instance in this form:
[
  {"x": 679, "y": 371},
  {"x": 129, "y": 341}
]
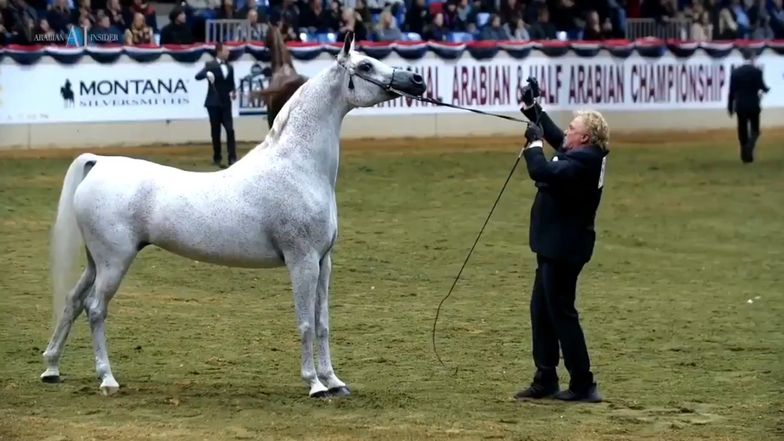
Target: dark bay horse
[{"x": 285, "y": 79}]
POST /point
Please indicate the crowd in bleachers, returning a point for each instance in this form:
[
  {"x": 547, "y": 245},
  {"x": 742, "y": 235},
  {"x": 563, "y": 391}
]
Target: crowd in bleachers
[{"x": 135, "y": 22}]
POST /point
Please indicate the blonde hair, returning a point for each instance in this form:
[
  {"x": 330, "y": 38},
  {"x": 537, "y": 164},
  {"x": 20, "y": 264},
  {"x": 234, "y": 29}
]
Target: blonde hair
[{"x": 596, "y": 127}]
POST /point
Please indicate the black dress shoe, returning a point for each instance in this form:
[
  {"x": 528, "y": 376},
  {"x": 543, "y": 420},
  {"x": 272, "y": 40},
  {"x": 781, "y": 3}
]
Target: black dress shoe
[
  {"x": 537, "y": 391},
  {"x": 586, "y": 395}
]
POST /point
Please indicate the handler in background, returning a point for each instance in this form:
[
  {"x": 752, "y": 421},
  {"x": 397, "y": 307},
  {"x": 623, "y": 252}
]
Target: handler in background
[
  {"x": 220, "y": 93},
  {"x": 746, "y": 82},
  {"x": 562, "y": 236}
]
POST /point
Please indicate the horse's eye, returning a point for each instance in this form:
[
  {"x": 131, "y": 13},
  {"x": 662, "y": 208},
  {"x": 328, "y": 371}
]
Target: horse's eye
[{"x": 365, "y": 67}]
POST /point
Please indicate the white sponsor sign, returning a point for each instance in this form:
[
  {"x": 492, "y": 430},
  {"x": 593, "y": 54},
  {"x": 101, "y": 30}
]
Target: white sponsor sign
[
  {"x": 130, "y": 91},
  {"x": 89, "y": 92}
]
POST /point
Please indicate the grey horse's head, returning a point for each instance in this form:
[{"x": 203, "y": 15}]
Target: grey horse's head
[{"x": 371, "y": 82}]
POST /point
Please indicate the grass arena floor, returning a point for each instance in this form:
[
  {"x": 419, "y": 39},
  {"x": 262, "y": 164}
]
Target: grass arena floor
[{"x": 687, "y": 234}]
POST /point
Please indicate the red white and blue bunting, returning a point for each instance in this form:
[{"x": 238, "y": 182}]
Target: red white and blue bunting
[{"x": 650, "y": 48}]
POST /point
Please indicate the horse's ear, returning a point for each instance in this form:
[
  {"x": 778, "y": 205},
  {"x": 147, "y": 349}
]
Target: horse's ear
[{"x": 348, "y": 43}]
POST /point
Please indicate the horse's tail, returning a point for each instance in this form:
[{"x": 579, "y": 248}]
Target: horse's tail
[{"x": 66, "y": 237}]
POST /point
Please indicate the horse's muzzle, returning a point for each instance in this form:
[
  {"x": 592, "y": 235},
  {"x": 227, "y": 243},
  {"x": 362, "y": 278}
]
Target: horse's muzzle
[{"x": 408, "y": 82}]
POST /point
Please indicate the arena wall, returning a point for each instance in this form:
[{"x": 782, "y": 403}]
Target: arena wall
[{"x": 636, "y": 93}]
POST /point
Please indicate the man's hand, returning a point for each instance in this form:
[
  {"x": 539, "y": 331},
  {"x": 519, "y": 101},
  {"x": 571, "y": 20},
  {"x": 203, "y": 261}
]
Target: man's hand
[
  {"x": 211, "y": 77},
  {"x": 533, "y": 133},
  {"x": 530, "y": 92},
  {"x": 233, "y": 95},
  {"x": 528, "y": 97}
]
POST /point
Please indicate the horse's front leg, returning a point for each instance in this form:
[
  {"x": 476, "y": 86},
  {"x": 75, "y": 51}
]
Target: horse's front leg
[
  {"x": 304, "y": 278},
  {"x": 325, "y": 371}
]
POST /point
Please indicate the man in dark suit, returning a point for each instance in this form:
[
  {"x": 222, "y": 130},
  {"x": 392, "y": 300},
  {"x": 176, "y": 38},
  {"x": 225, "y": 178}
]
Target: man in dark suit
[
  {"x": 220, "y": 93},
  {"x": 746, "y": 82},
  {"x": 562, "y": 236}
]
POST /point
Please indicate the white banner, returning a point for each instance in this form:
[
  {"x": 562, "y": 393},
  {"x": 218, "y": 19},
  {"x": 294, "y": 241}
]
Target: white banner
[
  {"x": 167, "y": 90},
  {"x": 90, "y": 92}
]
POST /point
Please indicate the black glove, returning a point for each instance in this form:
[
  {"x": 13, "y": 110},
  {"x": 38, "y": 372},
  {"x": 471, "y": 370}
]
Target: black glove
[
  {"x": 533, "y": 133},
  {"x": 530, "y": 92}
]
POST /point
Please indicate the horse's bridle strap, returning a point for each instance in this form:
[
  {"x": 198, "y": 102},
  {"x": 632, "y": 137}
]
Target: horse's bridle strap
[{"x": 389, "y": 88}]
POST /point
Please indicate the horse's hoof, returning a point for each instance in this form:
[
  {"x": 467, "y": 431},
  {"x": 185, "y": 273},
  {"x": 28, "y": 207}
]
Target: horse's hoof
[
  {"x": 320, "y": 394},
  {"x": 51, "y": 376},
  {"x": 50, "y": 379},
  {"x": 342, "y": 391},
  {"x": 109, "y": 387}
]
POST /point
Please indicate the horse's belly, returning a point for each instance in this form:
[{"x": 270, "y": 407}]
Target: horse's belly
[{"x": 226, "y": 252}]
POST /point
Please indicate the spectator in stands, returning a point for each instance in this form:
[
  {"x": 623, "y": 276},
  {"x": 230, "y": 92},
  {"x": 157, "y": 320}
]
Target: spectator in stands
[
  {"x": 702, "y": 28},
  {"x": 116, "y": 15},
  {"x": 253, "y": 29},
  {"x": 387, "y": 29},
  {"x": 43, "y": 30},
  {"x": 364, "y": 13},
  {"x": 564, "y": 17},
  {"x": 177, "y": 31},
  {"x": 464, "y": 14},
  {"x": 760, "y": 21},
  {"x": 147, "y": 11},
  {"x": 104, "y": 32},
  {"x": 6, "y": 19},
  {"x": 311, "y": 17},
  {"x": 543, "y": 29},
  {"x": 85, "y": 26},
  {"x": 288, "y": 12},
  {"x": 494, "y": 30},
  {"x": 741, "y": 18},
  {"x": 728, "y": 29},
  {"x": 26, "y": 15},
  {"x": 251, "y": 5},
  {"x": 451, "y": 18},
  {"x": 511, "y": 10},
  {"x": 659, "y": 10},
  {"x": 226, "y": 10},
  {"x": 417, "y": 17},
  {"x": 594, "y": 30},
  {"x": 777, "y": 19},
  {"x": 85, "y": 10},
  {"x": 59, "y": 15},
  {"x": 519, "y": 32},
  {"x": 139, "y": 32},
  {"x": 436, "y": 31},
  {"x": 350, "y": 20},
  {"x": 330, "y": 18}
]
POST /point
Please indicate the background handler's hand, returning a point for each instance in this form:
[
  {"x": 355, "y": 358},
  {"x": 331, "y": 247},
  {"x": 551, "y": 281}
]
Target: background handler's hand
[
  {"x": 211, "y": 77},
  {"x": 533, "y": 133}
]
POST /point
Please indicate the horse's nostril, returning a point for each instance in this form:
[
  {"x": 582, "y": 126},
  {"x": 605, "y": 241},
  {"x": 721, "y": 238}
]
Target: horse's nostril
[{"x": 417, "y": 79}]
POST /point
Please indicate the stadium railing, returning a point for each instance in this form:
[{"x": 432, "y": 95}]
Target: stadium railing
[{"x": 676, "y": 29}]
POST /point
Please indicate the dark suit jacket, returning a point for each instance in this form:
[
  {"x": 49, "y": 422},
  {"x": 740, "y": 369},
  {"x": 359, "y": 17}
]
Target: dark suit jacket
[
  {"x": 745, "y": 83},
  {"x": 218, "y": 93},
  {"x": 569, "y": 191}
]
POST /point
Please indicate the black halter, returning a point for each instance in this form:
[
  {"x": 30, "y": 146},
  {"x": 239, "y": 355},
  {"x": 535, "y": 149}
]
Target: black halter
[{"x": 387, "y": 87}]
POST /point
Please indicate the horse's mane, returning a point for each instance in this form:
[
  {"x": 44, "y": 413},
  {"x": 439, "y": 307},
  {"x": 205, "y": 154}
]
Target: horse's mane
[
  {"x": 277, "y": 47},
  {"x": 282, "y": 119}
]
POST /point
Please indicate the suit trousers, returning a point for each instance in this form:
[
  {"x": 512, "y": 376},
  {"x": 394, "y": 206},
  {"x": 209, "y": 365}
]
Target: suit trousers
[
  {"x": 222, "y": 116},
  {"x": 555, "y": 324},
  {"x": 748, "y": 138}
]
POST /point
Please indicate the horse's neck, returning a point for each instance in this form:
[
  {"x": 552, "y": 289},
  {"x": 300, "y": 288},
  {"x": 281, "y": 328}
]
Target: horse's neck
[{"x": 308, "y": 125}]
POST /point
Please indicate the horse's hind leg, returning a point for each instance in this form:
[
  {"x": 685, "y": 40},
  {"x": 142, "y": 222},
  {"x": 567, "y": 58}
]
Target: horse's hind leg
[
  {"x": 73, "y": 307},
  {"x": 304, "y": 278},
  {"x": 325, "y": 370},
  {"x": 107, "y": 281}
]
